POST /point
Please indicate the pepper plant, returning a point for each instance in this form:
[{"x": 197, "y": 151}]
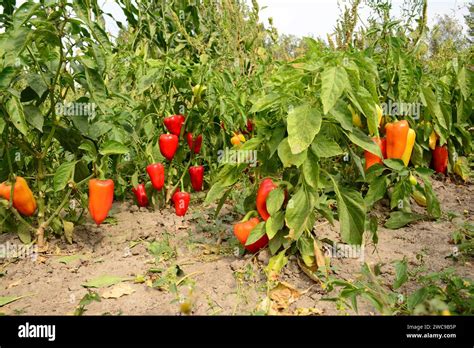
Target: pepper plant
[{"x": 53, "y": 56}]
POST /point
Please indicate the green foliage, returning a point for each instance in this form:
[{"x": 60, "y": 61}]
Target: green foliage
[
  {"x": 443, "y": 293},
  {"x": 77, "y": 104}
]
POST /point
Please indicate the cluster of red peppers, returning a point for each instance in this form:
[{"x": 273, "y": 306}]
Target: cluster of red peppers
[
  {"x": 101, "y": 192},
  {"x": 243, "y": 229},
  {"x": 168, "y": 144},
  {"x": 397, "y": 144}
]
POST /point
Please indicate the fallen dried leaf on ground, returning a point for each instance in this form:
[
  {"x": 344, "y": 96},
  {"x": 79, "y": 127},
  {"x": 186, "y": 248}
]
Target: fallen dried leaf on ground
[
  {"x": 282, "y": 296},
  {"x": 118, "y": 290}
]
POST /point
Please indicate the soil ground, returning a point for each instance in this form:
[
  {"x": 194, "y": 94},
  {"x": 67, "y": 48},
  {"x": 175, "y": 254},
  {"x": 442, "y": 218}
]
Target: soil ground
[{"x": 170, "y": 265}]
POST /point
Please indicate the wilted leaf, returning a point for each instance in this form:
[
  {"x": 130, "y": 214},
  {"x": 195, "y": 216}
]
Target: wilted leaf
[
  {"x": 282, "y": 296},
  {"x": 68, "y": 230},
  {"x": 118, "y": 290},
  {"x": 318, "y": 253}
]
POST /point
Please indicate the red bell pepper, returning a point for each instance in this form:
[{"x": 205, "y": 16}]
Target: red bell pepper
[
  {"x": 194, "y": 144},
  {"x": 101, "y": 197},
  {"x": 242, "y": 231},
  {"x": 370, "y": 158},
  {"x": 174, "y": 124},
  {"x": 140, "y": 195},
  {"x": 168, "y": 145},
  {"x": 156, "y": 172},
  {"x": 197, "y": 175},
  {"x": 440, "y": 159},
  {"x": 181, "y": 202},
  {"x": 266, "y": 186}
]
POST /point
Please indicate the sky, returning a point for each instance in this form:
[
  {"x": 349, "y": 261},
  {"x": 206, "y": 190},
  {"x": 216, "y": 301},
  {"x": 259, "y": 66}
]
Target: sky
[
  {"x": 312, "y": 17},
  {"x": 318, "y": 17}
]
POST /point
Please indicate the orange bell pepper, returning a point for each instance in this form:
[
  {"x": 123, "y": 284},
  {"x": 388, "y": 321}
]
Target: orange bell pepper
[
  {"x": 23, "y": 199},
  {"x": 101, "y": 197},
  {"x": 397, "y": 133},
  {"x": 370, "y": 158}
]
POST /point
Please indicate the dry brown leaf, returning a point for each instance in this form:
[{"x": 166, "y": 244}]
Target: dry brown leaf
[
  {"x": 320, "y": 259},
  {"x": 283, "y": 295},
  {"x": 310, "y": 273},
  {"x": 118, "y": 290}
]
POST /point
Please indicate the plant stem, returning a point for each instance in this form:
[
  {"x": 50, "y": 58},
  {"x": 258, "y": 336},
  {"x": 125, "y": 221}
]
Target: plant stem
[
  {"x": 44, "y": 225},
  {"x": 180, "y": 179}
]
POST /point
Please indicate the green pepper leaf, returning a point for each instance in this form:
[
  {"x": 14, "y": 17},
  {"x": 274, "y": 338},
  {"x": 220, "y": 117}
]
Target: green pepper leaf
[
  {"x": 62, "y": 175},
  {"x": 275, "y": 200},
  {"x": 304, "y": 122},
  {"x": 256, "y": 233}
]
